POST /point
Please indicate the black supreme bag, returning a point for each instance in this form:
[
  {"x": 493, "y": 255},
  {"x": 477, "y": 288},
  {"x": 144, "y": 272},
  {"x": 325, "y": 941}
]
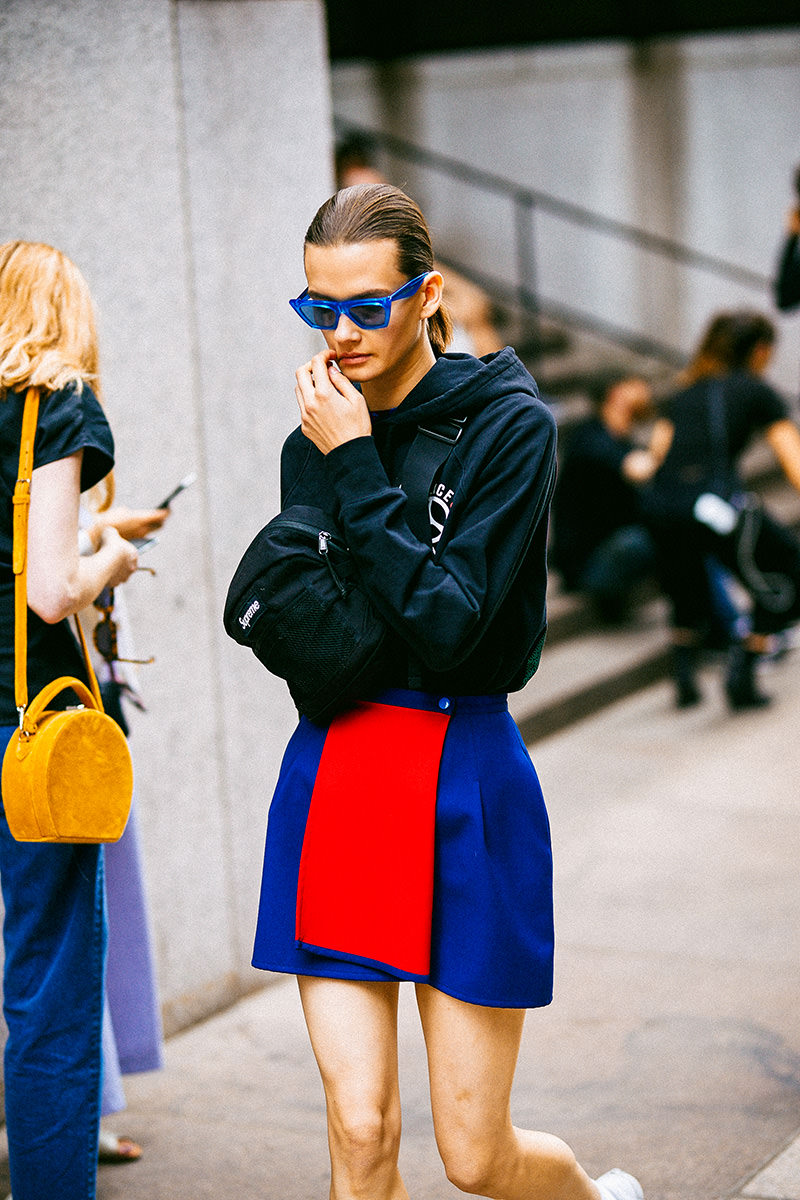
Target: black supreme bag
[
  {"x": 297, "y": 602},
  {"x": 294, "y": 601}
]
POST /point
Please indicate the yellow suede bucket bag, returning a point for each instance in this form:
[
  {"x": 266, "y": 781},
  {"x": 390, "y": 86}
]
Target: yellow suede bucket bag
[{"x": 67, "y": 774}]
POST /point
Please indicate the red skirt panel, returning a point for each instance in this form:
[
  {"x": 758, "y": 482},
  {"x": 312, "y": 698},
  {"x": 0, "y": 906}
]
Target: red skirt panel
[{"x": 365, "y": 884}]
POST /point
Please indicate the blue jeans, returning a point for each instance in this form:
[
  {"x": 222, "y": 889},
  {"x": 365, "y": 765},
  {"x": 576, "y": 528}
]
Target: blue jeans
[
  {"x": 614, "y": 568},
  {"x": 55, "y": 938}
]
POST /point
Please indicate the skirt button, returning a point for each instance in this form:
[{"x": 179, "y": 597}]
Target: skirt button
[{"x": 444, "y": 703}]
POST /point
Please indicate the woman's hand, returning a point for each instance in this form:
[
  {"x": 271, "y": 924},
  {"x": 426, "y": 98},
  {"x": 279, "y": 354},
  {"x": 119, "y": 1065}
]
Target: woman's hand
[
  {"x": 132, "y": 523},
  {"x": 123, "y": 557},
  {"x": 332, "y": 411}
]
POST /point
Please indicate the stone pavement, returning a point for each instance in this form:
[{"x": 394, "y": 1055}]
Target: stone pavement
[{"x": 673, "y": 1045}]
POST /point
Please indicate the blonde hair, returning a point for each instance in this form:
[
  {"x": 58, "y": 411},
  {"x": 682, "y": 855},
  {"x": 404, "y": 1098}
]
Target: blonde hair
[
  {"x": 48, "y": 336},
  {"x": 374, "y": 212}
]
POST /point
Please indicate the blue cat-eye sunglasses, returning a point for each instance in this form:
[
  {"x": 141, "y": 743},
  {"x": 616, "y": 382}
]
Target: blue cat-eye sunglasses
[{"x": 373, "y": 313}]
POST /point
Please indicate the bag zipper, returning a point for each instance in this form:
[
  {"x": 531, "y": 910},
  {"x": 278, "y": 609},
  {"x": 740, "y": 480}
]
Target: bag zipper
[{"x": 324, "y": 539}]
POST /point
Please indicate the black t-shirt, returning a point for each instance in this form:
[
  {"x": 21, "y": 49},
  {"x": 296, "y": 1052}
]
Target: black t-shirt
[
  {"x": 698, "y": 457},
  {"x": 593, "y": 499},
  {"x": 787, "y": 280},
  {"x": 69, "y": 420}
]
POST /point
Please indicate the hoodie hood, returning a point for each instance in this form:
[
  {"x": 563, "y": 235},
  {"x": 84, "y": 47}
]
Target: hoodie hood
[{"x": 459, "y": 384}]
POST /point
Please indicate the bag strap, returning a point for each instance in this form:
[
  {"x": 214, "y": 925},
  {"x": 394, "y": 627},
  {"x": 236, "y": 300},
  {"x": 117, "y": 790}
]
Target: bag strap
[
  {"x": 19, "y": 558},
  {"x": 718, "y": 430},
  {"x": 428, "y": 453}
]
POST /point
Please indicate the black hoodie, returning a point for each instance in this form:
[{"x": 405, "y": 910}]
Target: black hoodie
[{"x": 469, "y": 606}]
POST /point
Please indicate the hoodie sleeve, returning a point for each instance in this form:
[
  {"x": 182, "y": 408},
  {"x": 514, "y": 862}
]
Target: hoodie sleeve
[{"x": 441, "y": 605}]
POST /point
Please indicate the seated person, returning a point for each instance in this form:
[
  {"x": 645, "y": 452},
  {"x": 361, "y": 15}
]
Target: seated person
[{"x": 600, "y": 544}]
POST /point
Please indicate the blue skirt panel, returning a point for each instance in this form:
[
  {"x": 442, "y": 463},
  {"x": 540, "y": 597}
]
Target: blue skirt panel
[{"x": 492, "y": 924}]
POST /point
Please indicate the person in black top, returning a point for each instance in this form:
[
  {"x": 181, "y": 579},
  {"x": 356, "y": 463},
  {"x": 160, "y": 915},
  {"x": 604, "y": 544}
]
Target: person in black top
[
  {"x": 601, "y": 545},
  {"x": 697, "y": 496},
  {"x": 787, "y": 277},
  {"x": 407, "y": 838},
  {"x": 54, "y": 931}
]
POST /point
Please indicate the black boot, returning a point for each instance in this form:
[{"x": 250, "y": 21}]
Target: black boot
[
  {"x": 740, "y": 685},
  {"x": 684, "y": 668}
]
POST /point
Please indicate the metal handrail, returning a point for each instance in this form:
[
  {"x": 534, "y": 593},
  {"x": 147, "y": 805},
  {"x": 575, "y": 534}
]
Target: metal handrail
[{"x": 527, "y": 200}]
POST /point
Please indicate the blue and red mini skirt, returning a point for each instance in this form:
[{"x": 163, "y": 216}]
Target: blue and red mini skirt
[{"x": 409, "y": 840}]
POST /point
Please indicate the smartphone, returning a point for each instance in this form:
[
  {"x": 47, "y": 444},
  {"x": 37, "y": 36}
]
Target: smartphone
[
  {"x": 186, "y": 482},
  {"x": 146, "y": 542}
]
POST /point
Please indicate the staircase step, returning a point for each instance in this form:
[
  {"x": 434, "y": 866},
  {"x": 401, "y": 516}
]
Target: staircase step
[
  {"x": 586, "y": 666},
  {"x": 593, "y": 668}
]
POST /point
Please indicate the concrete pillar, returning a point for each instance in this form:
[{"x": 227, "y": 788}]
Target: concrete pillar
[{"x": 177, "y": 151}]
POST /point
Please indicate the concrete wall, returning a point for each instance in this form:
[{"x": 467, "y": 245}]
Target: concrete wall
[
  {"x": 694, "y": 139},
  {"x": 167, "y": 148}
]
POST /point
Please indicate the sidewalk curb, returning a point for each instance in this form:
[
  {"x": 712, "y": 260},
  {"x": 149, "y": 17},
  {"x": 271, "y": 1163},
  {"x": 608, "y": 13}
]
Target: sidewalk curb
[{"x": 777, "y": 1179}]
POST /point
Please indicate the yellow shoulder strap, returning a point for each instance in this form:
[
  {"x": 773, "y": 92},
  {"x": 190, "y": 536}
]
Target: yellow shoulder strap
[{"x": 21, "y": 501}]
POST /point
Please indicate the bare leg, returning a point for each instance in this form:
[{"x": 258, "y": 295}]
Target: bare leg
[
  {"x": 472, "y": 1055},
  {"x": 353, "y": 1031}
]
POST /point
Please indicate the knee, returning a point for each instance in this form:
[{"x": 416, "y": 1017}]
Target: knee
[
  {"x": 366, "y": 1139},
  {"x": 558, "y": 1165},
  {"x": 473, "y": 1161},
  {"x": 546, "y": 1167},
  {"x": 471, "y": 1170}
]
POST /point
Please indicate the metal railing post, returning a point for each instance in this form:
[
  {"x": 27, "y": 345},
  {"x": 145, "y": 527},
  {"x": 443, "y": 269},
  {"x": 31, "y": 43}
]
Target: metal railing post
[{"x": 525, "y": 246}]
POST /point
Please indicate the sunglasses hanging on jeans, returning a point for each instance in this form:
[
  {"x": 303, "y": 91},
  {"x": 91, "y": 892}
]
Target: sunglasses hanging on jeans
[{"x": 105, "y": 631}]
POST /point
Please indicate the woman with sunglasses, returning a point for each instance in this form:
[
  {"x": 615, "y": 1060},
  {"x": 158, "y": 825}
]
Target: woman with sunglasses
[
  {"x": 408, "y": 840},
  {"x": 54, "y": 931}
]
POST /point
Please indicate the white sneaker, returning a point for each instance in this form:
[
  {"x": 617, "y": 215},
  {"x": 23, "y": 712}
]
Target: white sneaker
[{"x": 619, "y": 1185}]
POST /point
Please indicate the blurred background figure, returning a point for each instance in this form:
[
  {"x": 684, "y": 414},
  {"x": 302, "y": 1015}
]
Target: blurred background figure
[
  {"x": 698, "y": 506},
  {"x": 787, "y": 279},
  {"x": 355, "y": 161},
  {"x": 472, "y": 313},
  {"x": 601, "y": 545}
]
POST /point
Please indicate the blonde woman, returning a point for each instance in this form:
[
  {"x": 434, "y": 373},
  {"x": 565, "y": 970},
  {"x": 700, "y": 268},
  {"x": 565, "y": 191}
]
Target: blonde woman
[{"x": 54, "y": 929}]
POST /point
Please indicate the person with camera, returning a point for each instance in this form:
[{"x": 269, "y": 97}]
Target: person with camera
[
  {"x": 600, "y": 544},
  {"x": 54, "y": 928},
  {"x": 407, "y": 837}
]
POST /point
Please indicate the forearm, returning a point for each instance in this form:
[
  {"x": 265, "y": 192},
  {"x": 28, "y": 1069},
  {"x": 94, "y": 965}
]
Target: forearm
[
  {"x": 784, "y": 438},
  {"x": 62, "y": 592},
  {"x": 60, "y": 581},
  {"x": 431, "y": 608},
  {"x": 440, "y": 602}
]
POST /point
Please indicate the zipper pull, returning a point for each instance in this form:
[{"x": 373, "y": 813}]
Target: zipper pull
[{"x": 322, "y": 545}]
